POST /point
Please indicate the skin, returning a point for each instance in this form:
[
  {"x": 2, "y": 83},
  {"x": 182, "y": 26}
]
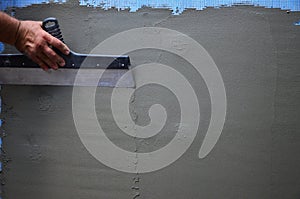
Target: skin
[{"x": 30, "y": 39}]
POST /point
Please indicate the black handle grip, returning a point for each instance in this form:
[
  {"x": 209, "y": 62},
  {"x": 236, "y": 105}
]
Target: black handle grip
[{"x": 52, "y": 27}]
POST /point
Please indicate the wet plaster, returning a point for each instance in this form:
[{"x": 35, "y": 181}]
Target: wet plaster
[{"x": 257, "y": 53}]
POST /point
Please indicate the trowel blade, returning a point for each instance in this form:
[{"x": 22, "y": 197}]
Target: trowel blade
[{"x": 67, "y": 77}]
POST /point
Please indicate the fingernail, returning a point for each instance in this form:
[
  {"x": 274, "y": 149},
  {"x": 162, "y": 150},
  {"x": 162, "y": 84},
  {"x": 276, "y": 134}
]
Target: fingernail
[{"x": 67, "y": 52}]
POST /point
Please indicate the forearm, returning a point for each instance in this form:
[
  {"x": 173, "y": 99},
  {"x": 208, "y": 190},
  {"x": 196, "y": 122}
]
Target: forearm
[{"x": 8, "y": 28}]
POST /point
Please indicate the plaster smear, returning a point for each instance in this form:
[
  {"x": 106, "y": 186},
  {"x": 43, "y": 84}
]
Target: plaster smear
[{"x": 257, "y": 53}]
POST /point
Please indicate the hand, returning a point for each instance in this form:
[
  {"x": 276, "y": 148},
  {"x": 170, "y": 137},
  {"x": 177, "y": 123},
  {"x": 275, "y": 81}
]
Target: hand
[{"x": 34, "y": 42}]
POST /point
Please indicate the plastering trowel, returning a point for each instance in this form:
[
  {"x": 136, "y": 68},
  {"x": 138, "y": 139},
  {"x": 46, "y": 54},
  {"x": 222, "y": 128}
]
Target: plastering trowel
[{"x": 17, "y": 69}]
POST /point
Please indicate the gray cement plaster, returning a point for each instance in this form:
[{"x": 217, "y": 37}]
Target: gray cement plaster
[{"x": 257, "y": 52}]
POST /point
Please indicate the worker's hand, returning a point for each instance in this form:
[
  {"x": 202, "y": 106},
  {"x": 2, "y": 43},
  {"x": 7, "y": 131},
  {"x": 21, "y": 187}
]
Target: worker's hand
[{"x": 34, "y": 42}]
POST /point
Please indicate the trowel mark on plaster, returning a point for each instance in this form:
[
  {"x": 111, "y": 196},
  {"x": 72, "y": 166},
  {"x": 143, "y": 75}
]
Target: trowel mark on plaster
[
  {"x": 160, "y": 22},
  {"x": 136, "y": 195},
  {"x": 135, "y": 187},
  {"x": 88, "y": 32},
  {"x": 35, "y": 153},
  {"x": 136, "y": 179},
  {"x": 46, "y": 103}
]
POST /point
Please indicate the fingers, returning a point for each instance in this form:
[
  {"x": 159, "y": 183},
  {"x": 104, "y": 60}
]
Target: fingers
[
  {"x": 49, "y": 62},
  {"x": 52, "y": 57},
  {"x": 40, "y": 63},
  {"x": 47, "y": 58},
  {"x": 57, "y": 44}
]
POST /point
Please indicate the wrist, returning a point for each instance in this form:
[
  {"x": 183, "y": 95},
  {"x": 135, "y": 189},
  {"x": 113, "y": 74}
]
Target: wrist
[
  {"x": 9, "y": 28},
  {"x": 17, "y": 33}
]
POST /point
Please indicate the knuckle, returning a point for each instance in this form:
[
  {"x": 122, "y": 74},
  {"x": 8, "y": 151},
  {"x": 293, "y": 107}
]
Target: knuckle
[
  {"x": 49, "y": 52},
  {"x": 60, "y": 44},
  {"x": 46, "y": 36},
  {"x": 57, "y": 43},
  {"x": 38, "y": 44},
  {"x": 52, "y": 54}
]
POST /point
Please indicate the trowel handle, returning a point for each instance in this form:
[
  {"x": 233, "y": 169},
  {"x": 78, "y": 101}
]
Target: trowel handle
[{"x": 51, "y": 26}]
